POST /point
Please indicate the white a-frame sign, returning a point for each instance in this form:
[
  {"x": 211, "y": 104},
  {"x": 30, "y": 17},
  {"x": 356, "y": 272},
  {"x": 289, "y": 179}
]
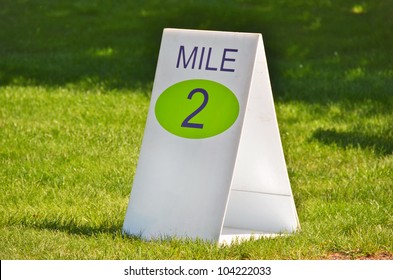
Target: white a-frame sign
[{"x": 211, "y": 164}]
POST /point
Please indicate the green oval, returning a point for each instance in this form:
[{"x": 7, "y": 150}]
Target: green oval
[{"x": 197, "y": 109}]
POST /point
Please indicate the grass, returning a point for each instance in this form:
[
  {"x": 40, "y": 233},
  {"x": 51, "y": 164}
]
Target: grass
[{"x": 75, "y": 78}]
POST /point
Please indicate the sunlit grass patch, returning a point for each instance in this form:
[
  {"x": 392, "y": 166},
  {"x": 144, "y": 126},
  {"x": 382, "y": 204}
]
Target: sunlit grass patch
[{"x": 75, "y": 81}]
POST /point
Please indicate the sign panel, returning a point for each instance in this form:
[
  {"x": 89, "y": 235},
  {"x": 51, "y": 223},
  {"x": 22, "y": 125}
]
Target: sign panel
[{"x": 211, "y": 164}]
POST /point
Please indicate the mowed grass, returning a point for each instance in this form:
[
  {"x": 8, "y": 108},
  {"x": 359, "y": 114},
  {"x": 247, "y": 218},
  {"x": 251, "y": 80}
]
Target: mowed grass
[{"x": 75, "y": 80}]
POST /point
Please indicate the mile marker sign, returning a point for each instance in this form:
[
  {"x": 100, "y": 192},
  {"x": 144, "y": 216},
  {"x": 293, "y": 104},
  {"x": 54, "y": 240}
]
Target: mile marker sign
[{"x": 211, "y": 164}]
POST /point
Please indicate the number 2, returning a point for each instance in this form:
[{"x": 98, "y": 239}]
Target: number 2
[{"x": 186, "y": 122}]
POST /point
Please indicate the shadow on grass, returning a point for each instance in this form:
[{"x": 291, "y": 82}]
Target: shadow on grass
[
  {"x": 86, "y": 43},
  {"x": 115, "y": 230},
  {"x": 352, "y": 139},
  {"x": 71, "y": 227},
  {"x": 115, "y": 44}
]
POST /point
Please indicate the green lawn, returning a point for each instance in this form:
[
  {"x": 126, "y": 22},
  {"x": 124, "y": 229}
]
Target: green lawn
[{"x": 75, "y": 81}]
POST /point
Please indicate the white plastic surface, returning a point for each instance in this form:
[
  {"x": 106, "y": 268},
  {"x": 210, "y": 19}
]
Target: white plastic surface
[{"x": 183, "y": 187}]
